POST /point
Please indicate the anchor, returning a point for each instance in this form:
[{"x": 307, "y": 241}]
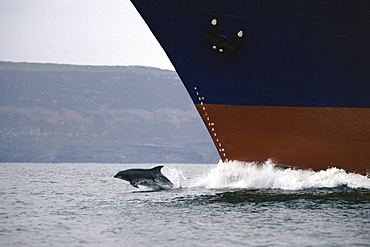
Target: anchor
[{"x": 220, "y": 43}]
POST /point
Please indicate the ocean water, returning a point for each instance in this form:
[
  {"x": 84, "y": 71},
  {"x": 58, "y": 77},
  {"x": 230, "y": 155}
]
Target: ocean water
[{"x": 225, "y": 204}]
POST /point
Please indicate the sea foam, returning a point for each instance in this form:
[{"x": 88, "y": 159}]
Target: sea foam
[{"x": 249, "y": 175}]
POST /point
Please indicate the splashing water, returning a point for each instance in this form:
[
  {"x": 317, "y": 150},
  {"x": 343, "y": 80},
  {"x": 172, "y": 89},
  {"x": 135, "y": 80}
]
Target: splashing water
[
  {"x": 175, "y": 176},
  {"x": 248, "y": 175}
]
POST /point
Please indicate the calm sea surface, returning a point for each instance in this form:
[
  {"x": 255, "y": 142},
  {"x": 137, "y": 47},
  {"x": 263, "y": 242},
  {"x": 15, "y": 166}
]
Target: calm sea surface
[{"x": 231, "y": 204}]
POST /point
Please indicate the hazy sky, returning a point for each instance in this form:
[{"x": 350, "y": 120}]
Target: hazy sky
[{"x": 91, "y": 32}]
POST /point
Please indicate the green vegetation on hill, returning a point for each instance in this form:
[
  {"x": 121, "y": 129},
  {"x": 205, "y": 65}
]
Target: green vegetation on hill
[{"x": 71, "y": 113}]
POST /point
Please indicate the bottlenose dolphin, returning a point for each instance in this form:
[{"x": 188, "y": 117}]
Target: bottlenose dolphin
[{"x": 152, "y": 178}]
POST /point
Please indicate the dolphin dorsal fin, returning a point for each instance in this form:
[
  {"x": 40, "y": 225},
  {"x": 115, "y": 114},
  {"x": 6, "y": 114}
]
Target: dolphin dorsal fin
[{"x": 156, "y": 169}]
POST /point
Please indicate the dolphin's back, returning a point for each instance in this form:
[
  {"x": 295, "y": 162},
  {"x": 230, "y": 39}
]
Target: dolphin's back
[{"x": 136, "y": 173}]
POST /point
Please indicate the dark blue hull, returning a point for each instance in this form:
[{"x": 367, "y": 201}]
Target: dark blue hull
[{"x": 301, "y": 53}]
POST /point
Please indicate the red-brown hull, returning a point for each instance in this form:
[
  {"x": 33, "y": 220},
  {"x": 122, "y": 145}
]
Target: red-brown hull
[{"x": 303, "y": 137}]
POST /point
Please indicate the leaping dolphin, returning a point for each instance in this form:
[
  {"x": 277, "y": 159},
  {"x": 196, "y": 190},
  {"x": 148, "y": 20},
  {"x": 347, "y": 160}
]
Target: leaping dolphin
[{"x": 152, "y": 178}]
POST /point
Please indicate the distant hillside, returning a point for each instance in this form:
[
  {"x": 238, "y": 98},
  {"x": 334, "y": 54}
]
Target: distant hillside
[{"x": 125, "y": 114}]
